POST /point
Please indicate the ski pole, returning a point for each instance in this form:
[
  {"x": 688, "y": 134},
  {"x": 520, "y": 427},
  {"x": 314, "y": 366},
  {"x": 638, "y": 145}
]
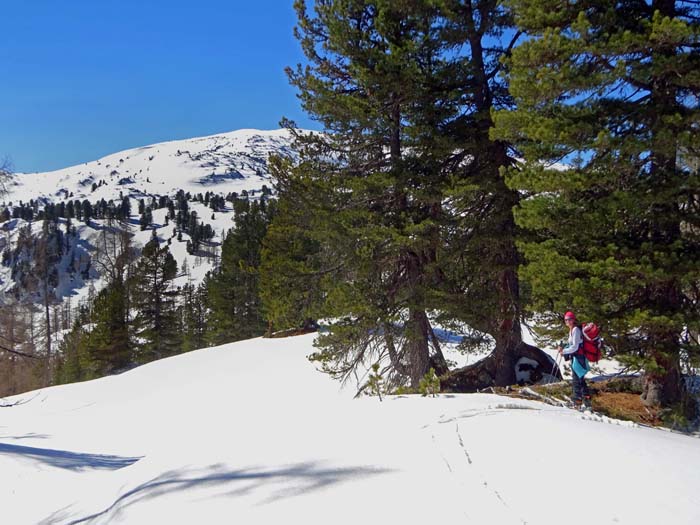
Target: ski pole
[{"x": 555, "y": 365}]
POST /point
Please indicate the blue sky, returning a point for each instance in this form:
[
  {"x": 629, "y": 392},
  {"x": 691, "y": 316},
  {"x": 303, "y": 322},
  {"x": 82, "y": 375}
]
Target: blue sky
[{"x": 80, "y": 79}]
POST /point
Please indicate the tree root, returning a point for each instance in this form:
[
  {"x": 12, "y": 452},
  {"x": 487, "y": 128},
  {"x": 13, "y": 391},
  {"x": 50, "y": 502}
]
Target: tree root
[{"x": 483, "y": 374}]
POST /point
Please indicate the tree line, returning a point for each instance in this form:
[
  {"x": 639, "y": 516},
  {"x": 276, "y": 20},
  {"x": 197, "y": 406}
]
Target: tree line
[{"x": 140, "y": 314}]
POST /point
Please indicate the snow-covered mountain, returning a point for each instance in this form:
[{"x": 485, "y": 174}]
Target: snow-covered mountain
[
  {"x": 220, "y": 163},
  {"x": 251, "y": 433}
]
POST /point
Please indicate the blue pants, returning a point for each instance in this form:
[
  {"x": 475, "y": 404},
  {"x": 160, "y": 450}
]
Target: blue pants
[{"x": 579, "y": 383}]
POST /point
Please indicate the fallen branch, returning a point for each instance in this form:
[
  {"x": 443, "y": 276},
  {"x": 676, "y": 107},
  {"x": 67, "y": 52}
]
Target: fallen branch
[
  {"x": 17, "y": 352},
  {"x": 546, "y": 399}
]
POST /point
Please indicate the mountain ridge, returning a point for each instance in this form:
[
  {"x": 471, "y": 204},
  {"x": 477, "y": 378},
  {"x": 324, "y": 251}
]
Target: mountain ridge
[{"x": 222, "y": 162}]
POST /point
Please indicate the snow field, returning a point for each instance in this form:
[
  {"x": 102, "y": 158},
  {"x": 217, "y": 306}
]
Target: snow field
[{"x": 251, "y": 432}]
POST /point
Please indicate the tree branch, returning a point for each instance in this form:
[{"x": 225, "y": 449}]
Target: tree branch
[{"x": 17, "y": 352}]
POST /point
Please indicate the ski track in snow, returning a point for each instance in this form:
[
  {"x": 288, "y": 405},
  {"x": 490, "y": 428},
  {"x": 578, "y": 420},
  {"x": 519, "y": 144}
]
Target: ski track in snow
[{"x": 469, "y": 478}]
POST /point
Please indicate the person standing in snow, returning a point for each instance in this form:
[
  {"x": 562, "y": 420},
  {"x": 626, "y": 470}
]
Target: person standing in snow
[{"x": 573, "y": 351}]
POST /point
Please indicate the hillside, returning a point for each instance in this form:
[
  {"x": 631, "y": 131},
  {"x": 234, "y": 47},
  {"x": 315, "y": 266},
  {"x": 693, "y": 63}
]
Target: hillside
[
  {"x": 251, "y": 432},
  {"x": 65, "y": 234},
  {"x": 222, "y": 163}
]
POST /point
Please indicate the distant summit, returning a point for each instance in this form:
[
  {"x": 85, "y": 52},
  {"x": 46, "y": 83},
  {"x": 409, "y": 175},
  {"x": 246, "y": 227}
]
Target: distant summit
[{"x": 221, "y": 163}]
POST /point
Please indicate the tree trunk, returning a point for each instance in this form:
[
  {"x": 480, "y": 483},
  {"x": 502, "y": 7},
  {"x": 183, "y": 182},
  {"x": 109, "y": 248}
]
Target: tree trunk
[
  {"x": 664, "y": 387},
  {"x": 661, "y": 390},
  {"x": 47, "y": 324},
  {"x": 437, "y": 359},
  {"x": 484, "y": 373},
  {"x": 498, "y": 369},
  {"x": 508, "y": 333},
  {"x": 417, "y": 334}
]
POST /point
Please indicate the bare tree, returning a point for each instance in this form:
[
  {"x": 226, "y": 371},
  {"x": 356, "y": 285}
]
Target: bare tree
[
  {"x": 21, "y": 366},
  {"x": 5, "y": 175},
  {"x": 114, "y": 251}
]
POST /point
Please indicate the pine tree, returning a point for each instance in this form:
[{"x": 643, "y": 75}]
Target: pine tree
[
  {"x": 146, "y": 218},
  {"x": 155, "y": 302},
  {"x": 233, "y": 289},
  {"x": 124, "y": 211},
  {"x": 408, "y": 202},
  {"x": 480, "y": 292},
  {"x": 374, "y": 381},
  {"x": 193, "y": 311},
  {"x": 110, "y": 345},
  {"x": 430, "y": 384},
  {"x": 611, "y": 89},
  {"x": 290, "y": 269},
  {"x": 381, "y": 85},
  {"x": 47, "y": 254},
  {"x": 75, "y": 361},
  {"x": 86, "y": 211}
]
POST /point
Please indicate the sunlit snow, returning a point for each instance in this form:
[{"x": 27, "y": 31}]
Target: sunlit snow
[{"x": 251, "y": 433}]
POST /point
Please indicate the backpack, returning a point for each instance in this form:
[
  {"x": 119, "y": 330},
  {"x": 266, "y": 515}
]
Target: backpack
[{"x": 592, "y": 343}]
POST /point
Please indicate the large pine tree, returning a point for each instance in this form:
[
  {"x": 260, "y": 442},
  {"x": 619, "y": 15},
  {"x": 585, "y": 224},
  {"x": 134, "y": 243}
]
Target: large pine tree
[
  {"x": 611, "y": 89},
  {"x": 480, "y": 287},
  {"x": 403, "y": 191},
  {"x": 380, "y": 81}
]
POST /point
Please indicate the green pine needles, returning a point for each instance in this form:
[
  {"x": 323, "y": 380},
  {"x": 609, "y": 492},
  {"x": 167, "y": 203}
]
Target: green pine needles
[
  {"x": 374, "y": 382},
  {"x": 429, "y": 384},
  {"x": 611, "y": 90},
  {"x": 397, "y": 214}
]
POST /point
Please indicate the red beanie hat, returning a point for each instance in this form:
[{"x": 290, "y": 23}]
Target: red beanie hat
[{"x": 569, "y": 315}]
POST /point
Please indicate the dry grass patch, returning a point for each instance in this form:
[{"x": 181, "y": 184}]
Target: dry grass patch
[
  {"x": 617, "y": 398},
  {"x": 623, "y": 405}
]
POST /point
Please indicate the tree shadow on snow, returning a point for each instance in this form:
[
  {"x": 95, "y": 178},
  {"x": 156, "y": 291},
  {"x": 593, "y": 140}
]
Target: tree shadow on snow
[
  {"x": 31, "y": 435},
  {"x": 289, "y": 482},
  {"x": 68, "y": 460}
]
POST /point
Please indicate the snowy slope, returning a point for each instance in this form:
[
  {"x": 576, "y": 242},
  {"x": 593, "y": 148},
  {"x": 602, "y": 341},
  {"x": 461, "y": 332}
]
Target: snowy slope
[
  {"x": 251, "y": 433},
  {"x": 76, "y": 287},
  {"x": 222, "y": 163}
]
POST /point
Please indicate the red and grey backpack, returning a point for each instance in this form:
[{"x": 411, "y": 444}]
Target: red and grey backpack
[{"x": 592, "y": 343}]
